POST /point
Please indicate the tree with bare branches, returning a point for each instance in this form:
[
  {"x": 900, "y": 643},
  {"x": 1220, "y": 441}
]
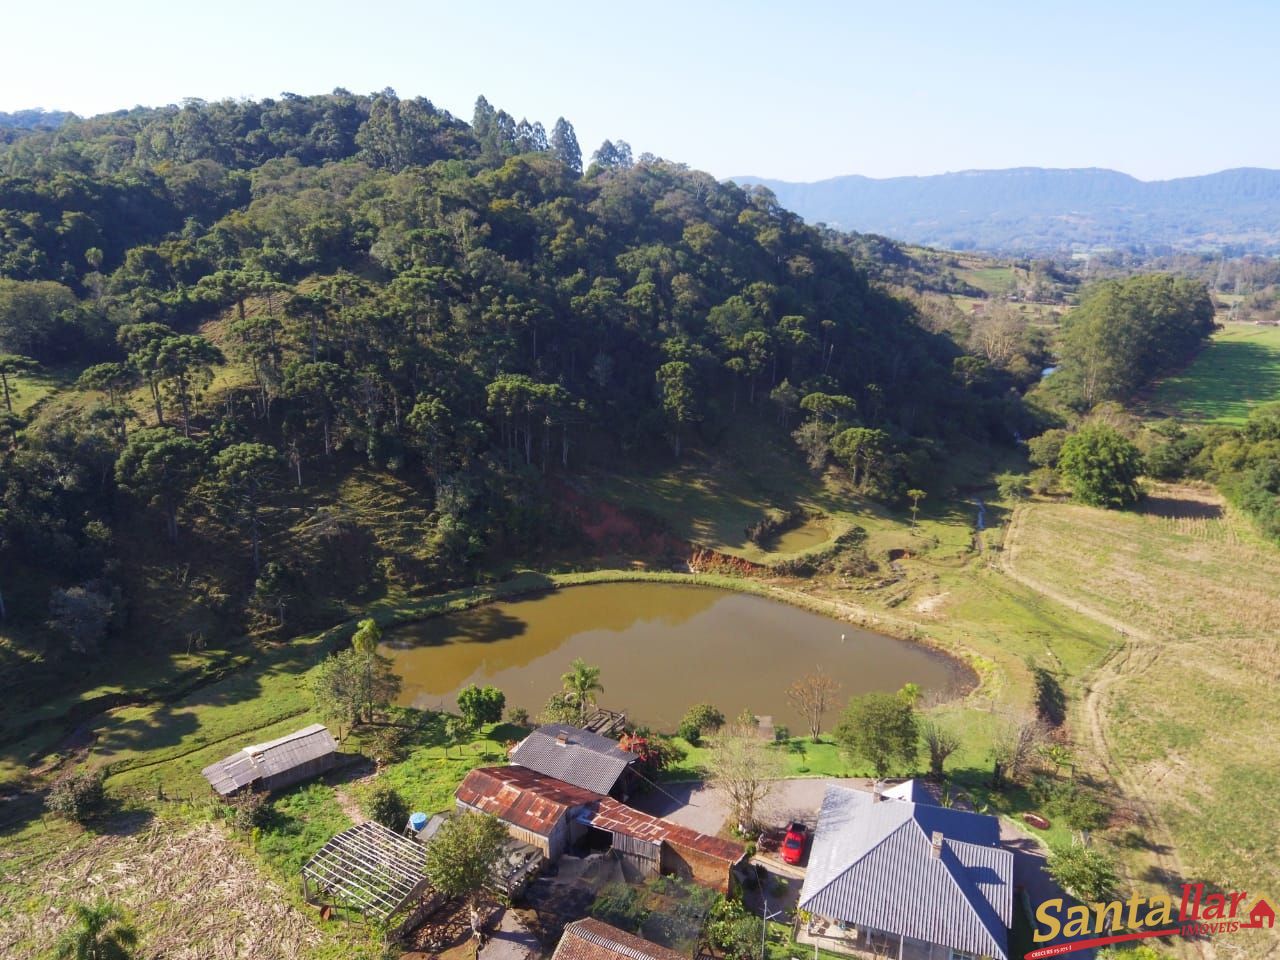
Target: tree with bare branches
[
  {"x": 744, "y": 767},
  {"x": 1017, "y": 736},
  {"x": 813, "y": 696},
  {"x": 940, "y": 741}
]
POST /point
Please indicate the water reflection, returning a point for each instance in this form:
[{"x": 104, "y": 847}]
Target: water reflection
[{"x": 661, "y": 647}]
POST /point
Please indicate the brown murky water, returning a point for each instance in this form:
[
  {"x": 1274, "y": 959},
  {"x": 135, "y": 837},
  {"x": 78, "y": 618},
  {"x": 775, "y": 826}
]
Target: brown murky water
[
  {"x": 810, "y": 534},
  {"x": 661, "y": 647}
]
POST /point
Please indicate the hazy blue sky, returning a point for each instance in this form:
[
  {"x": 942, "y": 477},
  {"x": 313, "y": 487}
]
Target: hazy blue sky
[{"x": 794, "y": 90}]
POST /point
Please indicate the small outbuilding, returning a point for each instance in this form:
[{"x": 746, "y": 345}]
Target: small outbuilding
[{"x": 276, "y": 764}]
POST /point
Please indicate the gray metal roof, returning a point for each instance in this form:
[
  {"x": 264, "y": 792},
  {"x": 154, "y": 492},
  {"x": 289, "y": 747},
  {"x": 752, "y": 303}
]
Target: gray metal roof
[
  {"x": 586, "y": 760},
  {"x": 261, "y": 761},
  {"x": 912, "y": 790},
  {"x": 872, "y": 865}
]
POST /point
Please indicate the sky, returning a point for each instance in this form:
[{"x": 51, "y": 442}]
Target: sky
[{"x": 793, "y": 91}]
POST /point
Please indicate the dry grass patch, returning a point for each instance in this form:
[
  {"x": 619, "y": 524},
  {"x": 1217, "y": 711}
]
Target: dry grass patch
[
  {"x": 191, "y": 891},
  {"x": 1192, "y": 712}
]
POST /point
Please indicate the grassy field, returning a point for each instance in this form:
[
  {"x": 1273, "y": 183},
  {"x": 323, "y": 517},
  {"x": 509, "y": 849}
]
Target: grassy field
[
  {"x": 28, "y": 389},
  {"x": 1187, "y": 708},
  {"x": 1239, "y": 369}
]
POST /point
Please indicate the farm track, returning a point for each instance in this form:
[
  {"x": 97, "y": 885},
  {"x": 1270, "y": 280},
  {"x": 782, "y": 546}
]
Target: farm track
[{"x": 1134, "y": 644}]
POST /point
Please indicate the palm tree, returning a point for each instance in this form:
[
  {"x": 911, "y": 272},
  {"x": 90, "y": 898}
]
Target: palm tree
[
  {"x": 100, "y": 933},
  {"x": 581, "y": 684}
]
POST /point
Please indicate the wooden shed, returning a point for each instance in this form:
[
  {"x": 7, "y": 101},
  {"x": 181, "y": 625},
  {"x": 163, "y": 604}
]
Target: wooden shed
[{"x": 275, "y": 764}]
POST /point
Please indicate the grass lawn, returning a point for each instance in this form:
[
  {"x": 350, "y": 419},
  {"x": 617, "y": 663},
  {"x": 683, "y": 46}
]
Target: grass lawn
[{"x": 1236, "y": 371}]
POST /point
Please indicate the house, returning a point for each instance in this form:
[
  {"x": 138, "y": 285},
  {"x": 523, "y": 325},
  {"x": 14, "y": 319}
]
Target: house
[
  {"x": 591, "y": 939},
  {"x": 555, "y": 817},
  {"x": 275, "y": 764},
  {"x": 578, "y": 757},
  {"x": 894, "y": 875}
]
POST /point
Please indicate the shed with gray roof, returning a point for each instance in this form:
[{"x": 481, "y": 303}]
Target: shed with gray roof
[
  {"x": 576, "y": 756},
  {"x": 892, "y": 876},
  {"x": 275, "y": 764}
]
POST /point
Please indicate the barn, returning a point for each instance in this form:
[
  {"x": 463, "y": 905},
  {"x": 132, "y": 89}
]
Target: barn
[{"x": 275, "y": 764}]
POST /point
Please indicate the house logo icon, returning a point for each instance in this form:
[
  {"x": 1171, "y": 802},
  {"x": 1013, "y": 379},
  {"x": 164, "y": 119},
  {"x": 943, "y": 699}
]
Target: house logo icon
[{"x": 1262, "y": 915}]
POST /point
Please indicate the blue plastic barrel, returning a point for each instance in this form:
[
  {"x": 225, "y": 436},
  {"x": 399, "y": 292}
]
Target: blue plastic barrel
[{"x": 417, "y": 821}]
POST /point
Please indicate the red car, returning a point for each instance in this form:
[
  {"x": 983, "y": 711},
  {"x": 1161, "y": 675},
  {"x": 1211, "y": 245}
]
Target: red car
[{"x": 793, "y": 843}]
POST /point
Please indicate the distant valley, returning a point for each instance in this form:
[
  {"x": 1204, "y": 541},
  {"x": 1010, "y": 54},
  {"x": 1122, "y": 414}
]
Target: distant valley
[{"x": 1036, "y": 210}]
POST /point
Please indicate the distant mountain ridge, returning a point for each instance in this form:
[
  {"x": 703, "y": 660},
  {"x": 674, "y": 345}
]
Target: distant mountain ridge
[
  {"x": 36, "y": 118},
  {"x": 1038, "y": 210}
]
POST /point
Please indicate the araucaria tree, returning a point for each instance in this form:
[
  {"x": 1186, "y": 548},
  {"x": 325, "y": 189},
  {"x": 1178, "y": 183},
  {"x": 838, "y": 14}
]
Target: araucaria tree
[
  {"x": 462, "y": 856},
  {"x": 813, "y": 696},
  {"x": 159, "y": 466},
  {"x": 244, "y": 475},
  {"x": 880, "y": 729},
  {"x": 744, "y": 767}
]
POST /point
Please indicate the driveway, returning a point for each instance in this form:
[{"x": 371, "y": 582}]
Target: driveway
[{"x": 700, "y": 807}]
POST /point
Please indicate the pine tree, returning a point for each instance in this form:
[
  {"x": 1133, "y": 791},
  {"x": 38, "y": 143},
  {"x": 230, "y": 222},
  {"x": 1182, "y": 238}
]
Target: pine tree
[{"x": 564, "y": 143}]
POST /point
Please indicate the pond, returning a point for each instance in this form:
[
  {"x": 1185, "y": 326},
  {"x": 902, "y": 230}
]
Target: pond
[
  {"x": 661, "y": 647},
  {"x": 810, "y": 534}
]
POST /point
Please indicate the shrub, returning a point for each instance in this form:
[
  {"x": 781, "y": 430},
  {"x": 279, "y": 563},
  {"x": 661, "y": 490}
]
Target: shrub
[
  {"x": 518, "y": 716},
  {"x": 388, "y": 808},
  {"x": 699, "y": 719},
  {"x": 1084, "y": 872},
  {"x": 1075, "y": 804},
  {"x": 248, "y": 810},
  {"x": 386, "y": 744},
  {"x": 620, "y": 905},
  {"x": 77, "y": 795},
  {"x": 733, "y": 931}
]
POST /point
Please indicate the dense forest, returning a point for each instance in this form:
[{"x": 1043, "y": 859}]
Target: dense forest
[{"x": 260, "y": 310}]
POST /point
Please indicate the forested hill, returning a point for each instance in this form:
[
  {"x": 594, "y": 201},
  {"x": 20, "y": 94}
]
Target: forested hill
[
  {"x": 1034, "y": 210},
  {"x": 264, "y": 309}
]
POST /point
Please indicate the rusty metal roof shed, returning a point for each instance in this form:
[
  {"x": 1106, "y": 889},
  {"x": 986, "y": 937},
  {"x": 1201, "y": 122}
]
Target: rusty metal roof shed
[
  {"x": 522, "y": 797},
  {"x": 591, "y": 939}
]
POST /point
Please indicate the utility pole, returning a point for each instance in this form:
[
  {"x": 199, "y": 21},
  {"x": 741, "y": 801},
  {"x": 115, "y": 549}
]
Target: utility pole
[{"x": 765, "y": 917}]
